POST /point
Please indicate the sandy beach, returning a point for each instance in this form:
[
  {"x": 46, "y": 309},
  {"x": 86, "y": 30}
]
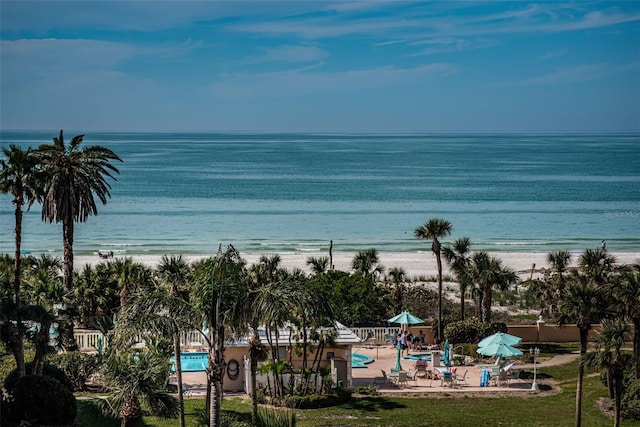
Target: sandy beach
[{"x": 415, "y": 264}]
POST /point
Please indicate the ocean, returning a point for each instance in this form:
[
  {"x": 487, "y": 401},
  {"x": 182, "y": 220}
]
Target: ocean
[{"x": 186, "y": 193}]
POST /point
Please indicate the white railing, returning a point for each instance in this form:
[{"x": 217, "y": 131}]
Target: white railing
[
  {"x": 89, "y": 339},
  {"x": 380, "y": 334}
]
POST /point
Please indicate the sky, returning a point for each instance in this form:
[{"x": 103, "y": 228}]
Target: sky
[{"x": 330, "y": 66}]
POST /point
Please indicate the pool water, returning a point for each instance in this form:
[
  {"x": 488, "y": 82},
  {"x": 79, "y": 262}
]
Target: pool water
[
  {"x": 192, "y": 362},
  {"x": 197, "y": 362},
  {"x": 360, "y": 360}
]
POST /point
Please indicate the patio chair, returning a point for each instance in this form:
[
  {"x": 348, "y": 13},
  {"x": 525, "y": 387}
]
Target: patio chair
[
  {"x": 462, "y": 379},
  {"x": 412, "y": 376},
  {"x": 514, "y": 374},
  {"x": 402, "y": 379},
  {"x": 447, "y": 380},
  {"x": 384, "y": 379}
]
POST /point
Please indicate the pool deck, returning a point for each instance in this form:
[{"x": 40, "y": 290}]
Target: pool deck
[{"x": 385, "y": 358}]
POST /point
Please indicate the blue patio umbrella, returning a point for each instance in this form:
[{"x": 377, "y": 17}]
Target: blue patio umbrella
[
  {"x": 500, "y": 350},
  {"x": 446, "y": 360},
  {"x": 398, "y": 350},
  {"x": 406, "y": 318},
  {"x": 500, "y": 337}
]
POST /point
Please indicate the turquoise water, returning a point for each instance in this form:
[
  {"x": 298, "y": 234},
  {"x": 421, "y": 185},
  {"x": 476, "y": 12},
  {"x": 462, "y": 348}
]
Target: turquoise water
[
  {"x": 192, "y": 362},
  {"x": 197, "y": 362},
  {"x": 189, "y": 192},
  {"x": 360, "y": 360}
]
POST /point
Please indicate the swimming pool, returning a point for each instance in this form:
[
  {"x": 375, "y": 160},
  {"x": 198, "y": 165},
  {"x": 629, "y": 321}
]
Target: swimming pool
[
  {"x": 360, "y": 360},
  {"x": 192, "y": 362},
  {"x": 197, "y": 362}
]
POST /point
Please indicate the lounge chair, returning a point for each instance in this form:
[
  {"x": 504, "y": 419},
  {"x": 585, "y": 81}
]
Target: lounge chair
[{"x": 384, "y": 379}]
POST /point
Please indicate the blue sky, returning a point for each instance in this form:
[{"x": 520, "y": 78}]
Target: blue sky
[{"x": 320, "y": 66}]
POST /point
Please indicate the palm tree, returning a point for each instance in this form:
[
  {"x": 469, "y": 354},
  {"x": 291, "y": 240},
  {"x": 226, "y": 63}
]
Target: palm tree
[
  {"x": 626, "y": 290},
  {"x": 488, "y": 272},
  {"x": 318, "y": 265},
  {"x": 129, "y": 276},
  {"x": 174, "y": 272},
  {"x": 608, "y": 355},
  {"x": 74, "y": 176},
  {"x": 19, "y": 177},
  {"x": 367, "y": 263},
  {"x": 135, "y": 382},
  {"x": 397, "y": 276},
  {"x": 457, "y": 257},
  {"x": 581, "y": 304},
  {"x": 433, "y": 230}
]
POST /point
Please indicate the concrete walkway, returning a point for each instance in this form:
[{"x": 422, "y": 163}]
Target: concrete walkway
[{"x": 385, "y": 359}]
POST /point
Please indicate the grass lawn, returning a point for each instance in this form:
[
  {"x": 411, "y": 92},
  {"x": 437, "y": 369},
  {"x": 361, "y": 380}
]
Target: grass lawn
[{"x": 443, "y": 410}]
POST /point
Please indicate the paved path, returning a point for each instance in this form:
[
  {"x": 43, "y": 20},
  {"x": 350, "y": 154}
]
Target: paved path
[{"x": 385, "y": 359}]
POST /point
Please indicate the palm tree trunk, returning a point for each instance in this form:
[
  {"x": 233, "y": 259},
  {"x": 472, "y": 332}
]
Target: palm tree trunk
[
  {"x": 462, "y": 303},
  {"x": 67, "y": 338},
  {"x": 486, "y": 304},
  {"x": 254, "y": 395},
  {"x": 178, "y": 362},
  {"x": 439, "y": 264},
  {"x": 636, "y": 345},
  {"x": 215, "y": 400},
  {"x": 619, "y": 389},
  {"x": 16, "y": 286},
  {"x": 583, "y": 352}
]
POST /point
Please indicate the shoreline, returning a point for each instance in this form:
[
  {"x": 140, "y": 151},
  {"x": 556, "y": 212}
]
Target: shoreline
[{"x": 415, "y": 264}]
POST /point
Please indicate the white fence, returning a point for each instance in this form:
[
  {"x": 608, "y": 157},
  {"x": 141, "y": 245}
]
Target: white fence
[
  {"x": 91, "y": 339},
  {"x": 381, "y": 335}
]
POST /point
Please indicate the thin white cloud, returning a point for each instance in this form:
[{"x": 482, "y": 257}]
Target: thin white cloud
[
  {"x": 554, "y": 54},
  {"x": 306, "y": 82},
  {"x": 579, "y": 73},
  {"x": 290, "y": 53}
]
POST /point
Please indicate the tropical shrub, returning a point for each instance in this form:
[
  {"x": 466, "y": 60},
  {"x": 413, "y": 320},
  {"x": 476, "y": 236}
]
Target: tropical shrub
[
  {"x": 77, "y": 367},
  {"x": 336, "y": 396},
  {"x": 48, "y": 370},
  {"x": 631, "y": 401},
  {"x": 471, "y": 330},
  {"x": 42, "y": 400}
]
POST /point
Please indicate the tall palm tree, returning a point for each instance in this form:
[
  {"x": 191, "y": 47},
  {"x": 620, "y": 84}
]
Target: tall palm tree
[
  {"x": 74, "y": 176},
  {"x": 581, "y": 304},
  {"x": 608, "y": 355},
  {"x": 174, "y": 272},
  {"x": 488, "y": 272},
  {"x": 129, "y": 276},
  {"x": 219, "y": 286},
  {"x": 433, "y": 230},
  {"x": 20, "y": 177},
  {"x": 627, "y": 292},
  {"x": 397, "y": 275},
  {"x": 457, "y": 256}
]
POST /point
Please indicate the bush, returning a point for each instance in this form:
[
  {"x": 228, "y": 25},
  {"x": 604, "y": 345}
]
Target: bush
[
  {"x": 42, "y": 400},
  {"x": 471, "y": 330},
  {"x": 48, "y": 370},
  {"x": 631, "y": 401},
  {"x": 77, "y": 367},
  {"x": 336, "y": 396}
]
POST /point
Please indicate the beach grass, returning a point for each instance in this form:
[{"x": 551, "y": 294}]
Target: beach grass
[{"x": 444, "y": 409}]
